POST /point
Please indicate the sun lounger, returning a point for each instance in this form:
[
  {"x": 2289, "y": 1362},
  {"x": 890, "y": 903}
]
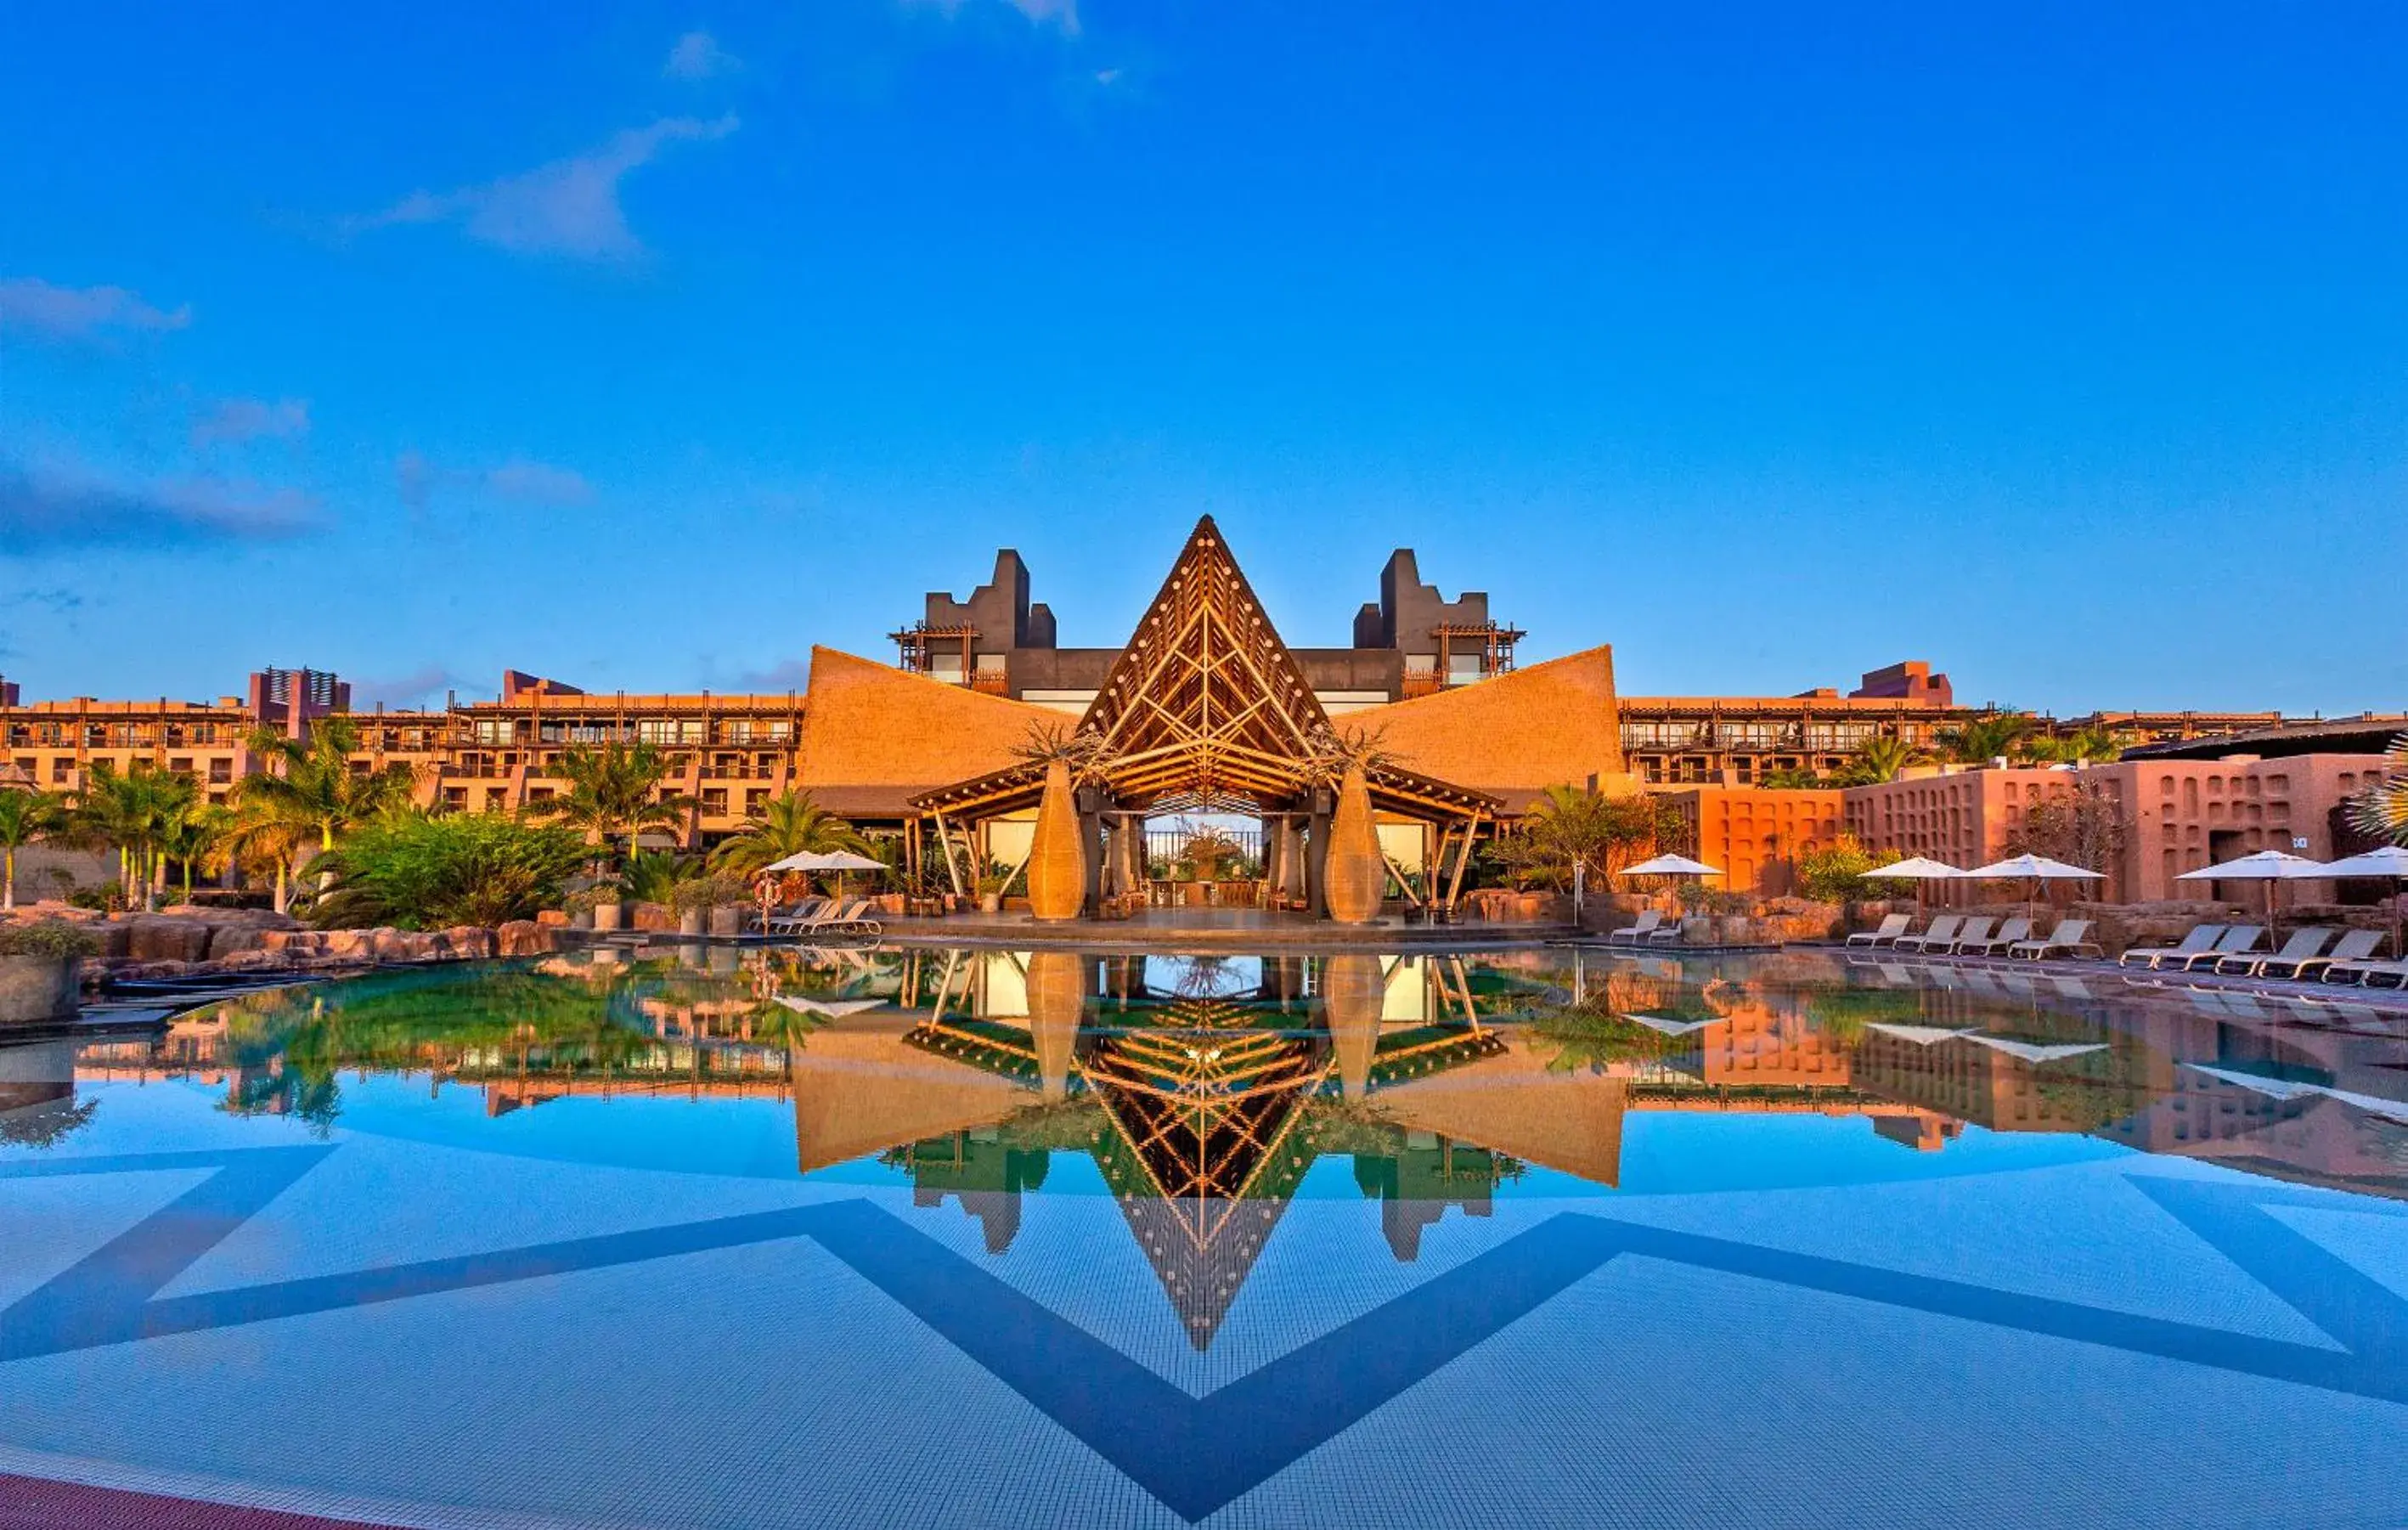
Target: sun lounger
[
  {"x": 783, "y": 921},
  {"x": 1667, "y": 933},
  {"x": 2240, "y": 940},
  {"x": 2368, "y": 975},
  {"x": 1973, "y": 930},
  {"x": 2008, "y": 933},
  {"x": 2201, "y": 939},
  {"x": 2070, "y": 936},
  {"x": 2354, "y": 945},
  {"x": 850, "y": 917},
  {"x": 1941, "y": 931},
  {"x": 1634, "y": 934},
  {"x": 2302, "y": 945},
  {"x": 1891, "y": 928}
]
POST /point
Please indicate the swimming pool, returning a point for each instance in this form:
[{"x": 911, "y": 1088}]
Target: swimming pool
[{"x": 695, "y": 1237}]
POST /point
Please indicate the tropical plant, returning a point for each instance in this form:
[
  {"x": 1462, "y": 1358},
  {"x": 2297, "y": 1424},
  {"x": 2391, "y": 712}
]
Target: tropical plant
[
  {"x": 788, "y": 824},
  {"x": 701, "y": 894},
  {"x": 133, "y": 812},
  {"x": 2092, "y": 746},
  {"x": 1057, "y": 852},
  {"x": 198, "y": 839},
  {"x": 1990, "y": 736},
  {"x": 46, "y": 938},
  {"x": 1355, "y": 874},
  {"x": 1878, "y": 759},
  {"x": 264, "y": 834},
  {"x": 652, "y": 876},
  {"x": 26, "y": 817},
  {"x": 1793, "y": 778},
  {"x": 1835, "y": 872},
  {"x": 1570, "y": 827},
  {"x": 309, "y": 791},
  {"x": 2382, "y": 809},
  {"x": 417, "y": 871},
  {"x": 614, "y": 791}
]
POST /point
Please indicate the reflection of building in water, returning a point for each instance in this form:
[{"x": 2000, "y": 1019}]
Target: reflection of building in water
[{"x": 1203, "y": 1090}]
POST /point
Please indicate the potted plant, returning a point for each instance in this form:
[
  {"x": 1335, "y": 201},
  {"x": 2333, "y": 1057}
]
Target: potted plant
[
  {"x": 580, "y": 908},
  {"x": 41, "y": 966},
  {"x": 701, "y": 902},
  {"x": 606, "y": 906},
  {"x": 1355, "y": 876},
  {"x": 990, "y": 885},
  {"x": 1057, "y": 853}
]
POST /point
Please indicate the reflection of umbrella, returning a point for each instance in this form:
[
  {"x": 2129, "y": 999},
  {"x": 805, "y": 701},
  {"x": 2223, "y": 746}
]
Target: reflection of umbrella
[
  {"x": 1921, "y": 1035},
  {"x": 834, "y": 1009},
  {"x": 2034, "y": 870},
  {"x": 1918, "y": 870},
  {"x": 2034, "y": 1053},
  {"x": 2267, "y": 866},
  {"x": 1672, "y": 1025},
  {"x": 2391, "y": 860}
]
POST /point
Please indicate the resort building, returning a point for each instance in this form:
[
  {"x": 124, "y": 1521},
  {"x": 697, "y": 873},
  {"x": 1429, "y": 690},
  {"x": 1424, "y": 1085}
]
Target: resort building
[{"x": 1211, "y": 712}]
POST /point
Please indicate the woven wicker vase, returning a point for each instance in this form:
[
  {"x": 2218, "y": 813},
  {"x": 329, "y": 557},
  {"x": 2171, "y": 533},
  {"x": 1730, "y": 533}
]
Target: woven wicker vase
[
  {"x": 1355, "y": 876},
  {"x": 1354, "y": 991},
  {"x": 1057, "y": 862},
  {"x": 1057, "y": 1001}
]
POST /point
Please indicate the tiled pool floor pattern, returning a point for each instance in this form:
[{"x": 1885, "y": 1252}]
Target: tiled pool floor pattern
[
  {"x": 827, "y": 1360},
  {"x": 480, "y": 1305}
]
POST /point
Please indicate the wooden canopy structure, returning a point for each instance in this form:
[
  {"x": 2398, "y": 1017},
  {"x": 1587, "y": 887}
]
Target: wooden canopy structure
[{"x": 1206, "y": 710}]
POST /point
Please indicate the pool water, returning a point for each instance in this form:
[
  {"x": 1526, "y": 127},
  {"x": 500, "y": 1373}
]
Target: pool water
[{"x": 692, "y": 1236}]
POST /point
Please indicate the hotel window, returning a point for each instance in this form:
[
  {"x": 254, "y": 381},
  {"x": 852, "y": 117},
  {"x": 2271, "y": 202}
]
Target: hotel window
[
  {"x": 1463, "y": 668},
  {"x": 180, "y": 765},
  {"x": 492, "y": 731},
  {"x": 62, "y": 769},
  {"x": 497, "y": 798},
  {"x": 946, "y": 665},
  {"x": 753, "y": 799},
  {"x": 714, "y": 801},
  {"x": 455, "y": 796}
]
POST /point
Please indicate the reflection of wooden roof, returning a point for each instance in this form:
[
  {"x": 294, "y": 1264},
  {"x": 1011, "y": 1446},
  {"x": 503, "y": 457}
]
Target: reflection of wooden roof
[
  {"x": 1552, "y": 724},
  {"x": 1205, "y": 708},
  {"x": 873, "y": 736},
  {"x": 860, "y": 1090},
  {"x": 1510, "y": 1102}
]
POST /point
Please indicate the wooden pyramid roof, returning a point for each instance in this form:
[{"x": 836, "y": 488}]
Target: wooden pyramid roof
[{"x": 1206, "y": 709}]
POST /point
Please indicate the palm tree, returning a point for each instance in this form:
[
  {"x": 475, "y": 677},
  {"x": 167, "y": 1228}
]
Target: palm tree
[
  {"x": 1879, "y": 760},
  {"x": 788, "y": 824},
  {"x": 612, "y": 790},
  {"x": 1987, "y": 737},
  {"x": 25, "y": 816},
  {"x": 197, "y": 837},
  {"x": 262, "y": 834},
  {"x": 132, "y": 813},
  {"x": 312, "y": 781}
]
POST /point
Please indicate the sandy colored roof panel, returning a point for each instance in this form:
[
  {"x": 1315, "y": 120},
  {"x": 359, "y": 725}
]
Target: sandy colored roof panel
[
  {"x": 870, "y": 724},
  {"x": 1552, "y": 724}
]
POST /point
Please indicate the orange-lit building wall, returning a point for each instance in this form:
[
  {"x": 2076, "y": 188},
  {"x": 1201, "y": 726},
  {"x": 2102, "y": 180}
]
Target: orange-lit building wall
[{"x": 1754, "y": 833}]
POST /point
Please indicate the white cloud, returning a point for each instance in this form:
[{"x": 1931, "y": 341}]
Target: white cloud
[
  {"x": 44, "y": 507},
  {"x": 423, "y": 684},
  {"x": 569, "y": 208},
  {"x": 77, "y": 313},
  {"x": 522, "y": 478},
  {"x": 539, "y": 482},
  {"x": 698, "y": 56},
  {"x": 1061, "y": 13},
  {"x": 249, "y": 419}
]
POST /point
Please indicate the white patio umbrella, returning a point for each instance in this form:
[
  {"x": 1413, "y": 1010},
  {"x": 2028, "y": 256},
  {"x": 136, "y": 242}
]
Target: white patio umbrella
[
  {"x": 2267, "y": 866},
  {"x": 1918, "y": 870},
  {"x": 2389, "y": 861},
  {"x": 2033, "y": 869},
  {"x": 838, "y": 861},
  {"x": 1671, "y": 866}
]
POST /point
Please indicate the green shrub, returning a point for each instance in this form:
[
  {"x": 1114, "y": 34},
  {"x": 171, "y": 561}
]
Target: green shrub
[
  {"x": 705, "y": 893},
  {"x": 432, "y": 872},
  {"x": 46, "y": 938},
  {"x": 1835, "y": 872}
]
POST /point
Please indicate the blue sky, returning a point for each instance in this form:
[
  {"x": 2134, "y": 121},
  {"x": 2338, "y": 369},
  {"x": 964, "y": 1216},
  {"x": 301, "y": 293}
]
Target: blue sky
[{"x": 2062, "y": 347}]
